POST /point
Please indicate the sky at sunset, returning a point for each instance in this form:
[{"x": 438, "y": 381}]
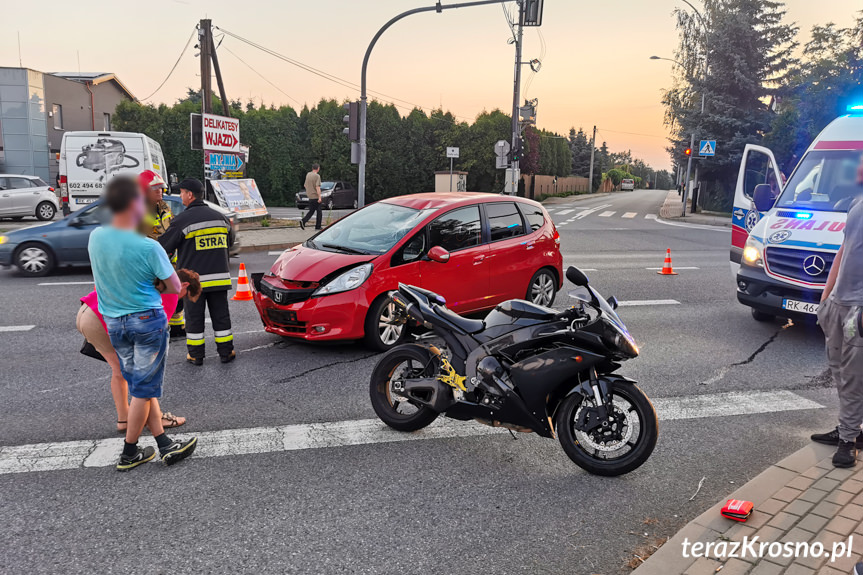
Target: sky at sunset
[{"x": 595, "y": 71}]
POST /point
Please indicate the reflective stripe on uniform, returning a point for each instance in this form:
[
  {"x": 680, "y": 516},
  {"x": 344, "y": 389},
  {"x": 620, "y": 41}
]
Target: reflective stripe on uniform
[
  {"x": 177, "y": 319},
  {"x": 207, "y": 232},
  {"x": 194, "y": 338},
  {"x": 212, "y": 280},
  {"x": 224, "y": 339},
  {"x": 215, "y": 283},
  {"x": 187, "y": 231},
  {"x": 222, "y": 333}
]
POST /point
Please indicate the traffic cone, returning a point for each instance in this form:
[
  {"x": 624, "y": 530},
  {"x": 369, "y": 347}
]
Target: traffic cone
[
  {"x": 666, "y": 267},
  {"x": 244, "y": 292}
]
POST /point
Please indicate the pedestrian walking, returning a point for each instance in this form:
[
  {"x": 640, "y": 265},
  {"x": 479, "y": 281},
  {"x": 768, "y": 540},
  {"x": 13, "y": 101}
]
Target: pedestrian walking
[
  {"x": 92, "y": 326},
  {"x": 840, "y": 316},
  {"x": 200, "y": 236},
  {"x": 313, "y": 192},
  {"x": 130, "y": 272}
]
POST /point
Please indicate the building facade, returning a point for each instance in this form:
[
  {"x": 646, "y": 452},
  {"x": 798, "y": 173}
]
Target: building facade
[{"x": 37, "y": 108}]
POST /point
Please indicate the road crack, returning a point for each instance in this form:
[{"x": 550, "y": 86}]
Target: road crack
[
  {"x": 723, "y": 371},
  {"x": 314, "y": 369}
]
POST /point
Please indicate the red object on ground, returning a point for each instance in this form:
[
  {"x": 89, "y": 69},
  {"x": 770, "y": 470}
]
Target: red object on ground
[{"x": 737, "y": 509}]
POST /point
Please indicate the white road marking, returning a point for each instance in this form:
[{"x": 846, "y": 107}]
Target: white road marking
[
  {"x": 692, "y": 226},
  {"x": 89, "y": 283},
  {"x": 635, "y": 302},
  {"x": 629, "y": 215},
  {"x": 16, "y": 327},
  {"x": 585, "y": 213},
  {"x": 562, "y": 224},
  {"x": 104, "y": 452},
  {"x": 275, "y": 253},
  {"x": 607, "y": 214},
  {"x": 650, "y": 216},
  {"x": 676, "y": 267},
  {"x": 564, "y": 212}
]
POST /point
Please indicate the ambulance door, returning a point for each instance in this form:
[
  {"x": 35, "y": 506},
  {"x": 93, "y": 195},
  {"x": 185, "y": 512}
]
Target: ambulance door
[{"x": 758, "y": 166}]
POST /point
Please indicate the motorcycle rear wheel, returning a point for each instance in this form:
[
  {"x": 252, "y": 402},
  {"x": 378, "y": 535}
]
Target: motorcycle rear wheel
[
  {"x": 634, "y": 414},
  {"x": 403, "y": 361}
]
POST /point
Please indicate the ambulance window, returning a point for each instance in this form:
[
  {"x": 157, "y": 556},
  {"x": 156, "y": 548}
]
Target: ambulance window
[{"x": 759, "y": 170}]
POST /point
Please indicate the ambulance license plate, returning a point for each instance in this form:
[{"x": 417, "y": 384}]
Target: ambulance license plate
[{"x": 799, "y": 306}]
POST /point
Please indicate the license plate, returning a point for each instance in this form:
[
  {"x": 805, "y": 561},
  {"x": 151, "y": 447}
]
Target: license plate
[
  {"x": 85, "y": 200},
  {"x": 800, "y": 306}
]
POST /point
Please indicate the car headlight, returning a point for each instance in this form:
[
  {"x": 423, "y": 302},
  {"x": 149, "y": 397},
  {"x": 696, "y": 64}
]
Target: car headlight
[
  {"x": 752, "y": 253},
  {"x": 326, "y": 194},
  {"x": 351, "y": 279},
  {"x": 3, "y": 240}
]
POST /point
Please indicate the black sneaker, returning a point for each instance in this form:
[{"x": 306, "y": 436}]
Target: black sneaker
[
  {"x": 846, "y": 454},
  {"x": 302, "y": 224},
  {"x": 194, "y": 360},
  {"x": 178, "y": 451},
  {"x": 177, "y": 331},
  {"x": 832, "y": 438},
  {"x": 228, "y": 358},
  {"x": 128, "y": 462}
]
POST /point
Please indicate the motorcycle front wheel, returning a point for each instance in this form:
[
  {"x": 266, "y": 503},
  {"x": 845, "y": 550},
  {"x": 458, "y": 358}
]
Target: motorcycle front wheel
[
  {"x": 621, "y": 444},
  {"x": 398, "y": 364}
]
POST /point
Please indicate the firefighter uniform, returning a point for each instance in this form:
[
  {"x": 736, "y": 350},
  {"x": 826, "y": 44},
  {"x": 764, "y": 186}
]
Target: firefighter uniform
[
  {"x": 200, "y": 235},
  {"x": 155, "y": 223}
]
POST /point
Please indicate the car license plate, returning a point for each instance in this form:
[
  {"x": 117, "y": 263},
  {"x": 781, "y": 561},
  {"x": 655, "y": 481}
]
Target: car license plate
[
  {"x": 85, "y": 200},
  {"x": 800, "y": 306}
]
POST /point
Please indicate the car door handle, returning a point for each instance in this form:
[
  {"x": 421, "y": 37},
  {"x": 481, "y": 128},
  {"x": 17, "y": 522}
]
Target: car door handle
[
  {"x": 530, "y": 245},
  {"x": 478, "y": 259}
]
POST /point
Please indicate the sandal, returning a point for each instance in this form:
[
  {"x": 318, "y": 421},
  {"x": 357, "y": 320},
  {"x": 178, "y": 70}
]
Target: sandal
[
  {"x": 124, "y": 427},
  {"x": 169, "y": 420}
]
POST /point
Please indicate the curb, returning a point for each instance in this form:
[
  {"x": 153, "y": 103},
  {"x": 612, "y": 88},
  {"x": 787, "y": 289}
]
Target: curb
[
  {"x": 575, "y": 198},
  {"x": 267, "y": 247}
]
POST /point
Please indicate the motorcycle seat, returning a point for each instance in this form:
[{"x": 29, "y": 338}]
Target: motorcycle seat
[
  {"x": 526, "y": 309},
  {"x": 468, "y": 325}
]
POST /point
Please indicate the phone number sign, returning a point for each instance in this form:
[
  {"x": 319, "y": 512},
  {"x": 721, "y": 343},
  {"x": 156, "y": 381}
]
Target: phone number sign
[{"x": 220, "y": 134}]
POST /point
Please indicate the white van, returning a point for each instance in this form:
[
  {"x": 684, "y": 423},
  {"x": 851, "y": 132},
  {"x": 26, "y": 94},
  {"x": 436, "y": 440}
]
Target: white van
[
  {"x": 783, "y": 242},
  {"x": 88, "y": 160}
]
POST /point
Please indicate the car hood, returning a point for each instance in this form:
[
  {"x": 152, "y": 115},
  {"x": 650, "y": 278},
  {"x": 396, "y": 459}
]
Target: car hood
[
  {"x": 304, "y": 264},
  {"x": 822, "y": 231},
  {"x": 28, "y": 231}
]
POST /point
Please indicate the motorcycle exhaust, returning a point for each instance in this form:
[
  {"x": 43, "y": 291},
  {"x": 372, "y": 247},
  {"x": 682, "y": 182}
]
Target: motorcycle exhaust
[{"x": 510, "y": 426}]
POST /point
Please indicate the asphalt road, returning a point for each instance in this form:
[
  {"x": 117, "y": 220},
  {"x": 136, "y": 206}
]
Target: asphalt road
[{"x": 360, "y": 502}]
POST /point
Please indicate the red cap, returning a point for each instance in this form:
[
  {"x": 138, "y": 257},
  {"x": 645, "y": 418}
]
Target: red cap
[{"x": 149, "y": 178}]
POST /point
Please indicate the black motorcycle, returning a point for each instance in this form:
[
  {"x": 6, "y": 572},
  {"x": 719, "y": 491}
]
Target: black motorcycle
[{"x": 524, "y": 367}]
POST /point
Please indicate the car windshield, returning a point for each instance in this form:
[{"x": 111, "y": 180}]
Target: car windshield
[
  {"x": 372, "y": 230},
  {"x": 328, "y": 185},
  {"x": 824, "y": 180}
]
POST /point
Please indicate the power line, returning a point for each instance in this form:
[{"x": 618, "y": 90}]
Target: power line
[
  {"x": 174, "y": 67},
  {"x": 261, "y": 75},
  {"x": 634, "y": 134}
]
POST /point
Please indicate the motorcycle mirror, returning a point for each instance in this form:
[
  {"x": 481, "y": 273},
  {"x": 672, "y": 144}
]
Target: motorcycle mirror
[
  {"x": 612, "y": 301},
  {"x": 438, "y": 254},
  {"x": 576, "y": 276},
  {"x": 581, "y": 294}
]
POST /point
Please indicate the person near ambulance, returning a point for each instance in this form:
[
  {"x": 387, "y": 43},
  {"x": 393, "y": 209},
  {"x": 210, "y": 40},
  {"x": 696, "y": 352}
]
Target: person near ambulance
[
  {"x": 200, "y": 236},
  {"x": 840, "y": 316},
  {"x": 154, "y": 224}
]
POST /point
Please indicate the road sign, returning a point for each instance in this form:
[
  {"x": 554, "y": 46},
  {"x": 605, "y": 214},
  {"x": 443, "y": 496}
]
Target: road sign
[
  {"x": 452, "y": 152},
  {"x": 501, "y": 148},
  {"x": 224, "y": 162},
  {"x": 707, "y": 148},
  {"x": 221, "y": 134}
]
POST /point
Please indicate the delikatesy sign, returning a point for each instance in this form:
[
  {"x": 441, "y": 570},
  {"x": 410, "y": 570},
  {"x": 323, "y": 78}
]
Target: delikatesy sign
[{"x": 220, "y": 134}]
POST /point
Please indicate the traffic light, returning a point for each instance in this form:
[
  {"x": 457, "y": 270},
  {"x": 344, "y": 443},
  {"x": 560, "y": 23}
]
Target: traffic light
[
  {"x": 687, "y": 152},
  {"x": 517, "y": 151},
  {"x": 352, "y": 119}
]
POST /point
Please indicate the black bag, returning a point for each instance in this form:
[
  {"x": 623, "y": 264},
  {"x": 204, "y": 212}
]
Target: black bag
[{"x": 90, "y": 351}]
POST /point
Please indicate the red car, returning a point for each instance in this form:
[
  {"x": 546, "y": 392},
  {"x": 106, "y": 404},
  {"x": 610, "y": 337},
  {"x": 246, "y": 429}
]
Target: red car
[{"x": 476, "y": 250}]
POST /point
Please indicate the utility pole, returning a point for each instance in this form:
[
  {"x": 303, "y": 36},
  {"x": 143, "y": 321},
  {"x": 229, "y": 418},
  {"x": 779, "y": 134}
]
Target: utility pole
[
  {"x": 516, "y": 98},
  {"x": 361, "y": 176},
  {"x": 592, "y": 151},
  {"x": 205, "y": 43},
  {"x": 688, "y": 170}
]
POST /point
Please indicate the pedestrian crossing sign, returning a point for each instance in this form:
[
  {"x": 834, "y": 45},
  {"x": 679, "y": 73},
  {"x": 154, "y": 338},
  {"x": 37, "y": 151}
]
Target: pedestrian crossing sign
[{"x": 707, "y": 148}]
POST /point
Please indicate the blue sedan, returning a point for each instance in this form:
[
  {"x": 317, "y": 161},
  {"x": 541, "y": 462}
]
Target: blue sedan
[{"x": 39, "y": 249}]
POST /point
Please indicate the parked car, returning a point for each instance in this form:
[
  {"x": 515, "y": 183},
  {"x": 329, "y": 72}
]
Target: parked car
[
  {"x": 334, "y": 195},
  {"x": 22, "y": 196},
  {"x": 476, "y": 250},
  {"x": 627, "y": 185},
  {"x": 38, "y": 250}
]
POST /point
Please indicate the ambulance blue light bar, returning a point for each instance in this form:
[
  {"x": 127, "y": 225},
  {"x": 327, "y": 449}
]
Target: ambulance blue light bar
[
  {"x": 854, "y": 108},
  {"x": 803, "y": 216}
]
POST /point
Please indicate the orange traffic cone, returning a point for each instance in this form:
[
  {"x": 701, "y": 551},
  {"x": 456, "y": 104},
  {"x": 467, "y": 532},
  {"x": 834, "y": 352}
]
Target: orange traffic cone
[
  {"x": 666, "y": 267},
  {"x": 244, "y": 292}
]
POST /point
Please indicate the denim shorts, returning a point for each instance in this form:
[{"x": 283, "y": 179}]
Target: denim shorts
[{"x": 141, "y": 342}]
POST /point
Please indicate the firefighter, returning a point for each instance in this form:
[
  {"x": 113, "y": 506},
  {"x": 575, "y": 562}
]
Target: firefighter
[
  {"x": 200, "y": 235},
  {"x": 154, "y": 224}
]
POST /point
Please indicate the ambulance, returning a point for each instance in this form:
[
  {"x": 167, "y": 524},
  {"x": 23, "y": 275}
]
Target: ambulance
[{"x": 784, "y": 237}]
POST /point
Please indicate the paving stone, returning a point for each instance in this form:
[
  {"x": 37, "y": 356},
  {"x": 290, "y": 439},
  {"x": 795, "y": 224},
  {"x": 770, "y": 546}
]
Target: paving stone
[
  {"x": 801, "y": 483},
  {"x": 758, "y": 519},
  {"x": 769, "y": 534},
  {"x": 766, "y": 568},
  {"x": 839, "y": 497},
  {"x": 827, "y": 570},
  {"x": 797, "y": 535},
  {"x": 845, "y": 564},
  {"x": 735, "y": 567},
  {"x": 783, "y": 521},
  {"x": 797, "y": 569},
  {"x": 826, "y": 509},
  {"x": 740, "y": 530},
  {"x": 813, "y": 495},
  {"x": 841, "y": 473},
  {"x": 813, "y": 523},
  {"x": 798, "y": 507},
  {"x": 852, "y": 511},
  {"x": 815, "y": 472},
  {"x": 805, "y": 458},
  {"x": 825, "y": 463},
  {"x": 826, "y": 484},
  {"x": 772, "y": 506},
  {"x": 852, "y": 486},
  {"x": 703, "y": 566},
  {"x": 842, "y": 525},
  {"x": 858, "y": 500},
  {"x": 788, "y": 494}
]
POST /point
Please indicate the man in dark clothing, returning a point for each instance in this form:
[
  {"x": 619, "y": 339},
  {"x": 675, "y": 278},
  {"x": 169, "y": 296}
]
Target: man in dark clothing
[
  {"x": 313, "y": 192},
  {"x": 201, "y": 237}
]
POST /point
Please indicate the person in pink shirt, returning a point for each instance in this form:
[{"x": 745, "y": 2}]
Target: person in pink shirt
[{"x": 91, "y": 325}]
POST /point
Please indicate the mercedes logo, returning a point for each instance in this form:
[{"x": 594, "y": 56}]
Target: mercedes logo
[{"x": 814, "y": 265}]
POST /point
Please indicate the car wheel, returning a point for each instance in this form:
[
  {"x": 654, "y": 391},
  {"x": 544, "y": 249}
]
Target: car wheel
[
  {"x": 330, "y": 204},
  {"x": 46, "y": 211},
  {"x": 34, "y": 260},
  {"x": 542, "y": 288},
  {"x": 383, "y": 331}
]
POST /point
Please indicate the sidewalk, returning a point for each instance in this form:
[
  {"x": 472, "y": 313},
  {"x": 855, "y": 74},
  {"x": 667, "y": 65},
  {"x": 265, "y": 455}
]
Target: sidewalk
[
  {"x": 264, "y": 239},
  {"x": 672, "y": 209},
  {"x": 801, "y": 499},
  {"x": 576, "y": 198}
]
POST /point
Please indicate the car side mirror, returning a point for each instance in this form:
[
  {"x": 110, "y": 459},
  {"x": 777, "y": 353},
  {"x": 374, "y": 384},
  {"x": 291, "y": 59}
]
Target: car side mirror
[
  {"x": 576, "y": 276},
  {"x": 612, "y": 301},
  {"x": 76, "y": 222},
  {"x": 439, "y": 255},
  {"x": 762, "y": 197}
]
